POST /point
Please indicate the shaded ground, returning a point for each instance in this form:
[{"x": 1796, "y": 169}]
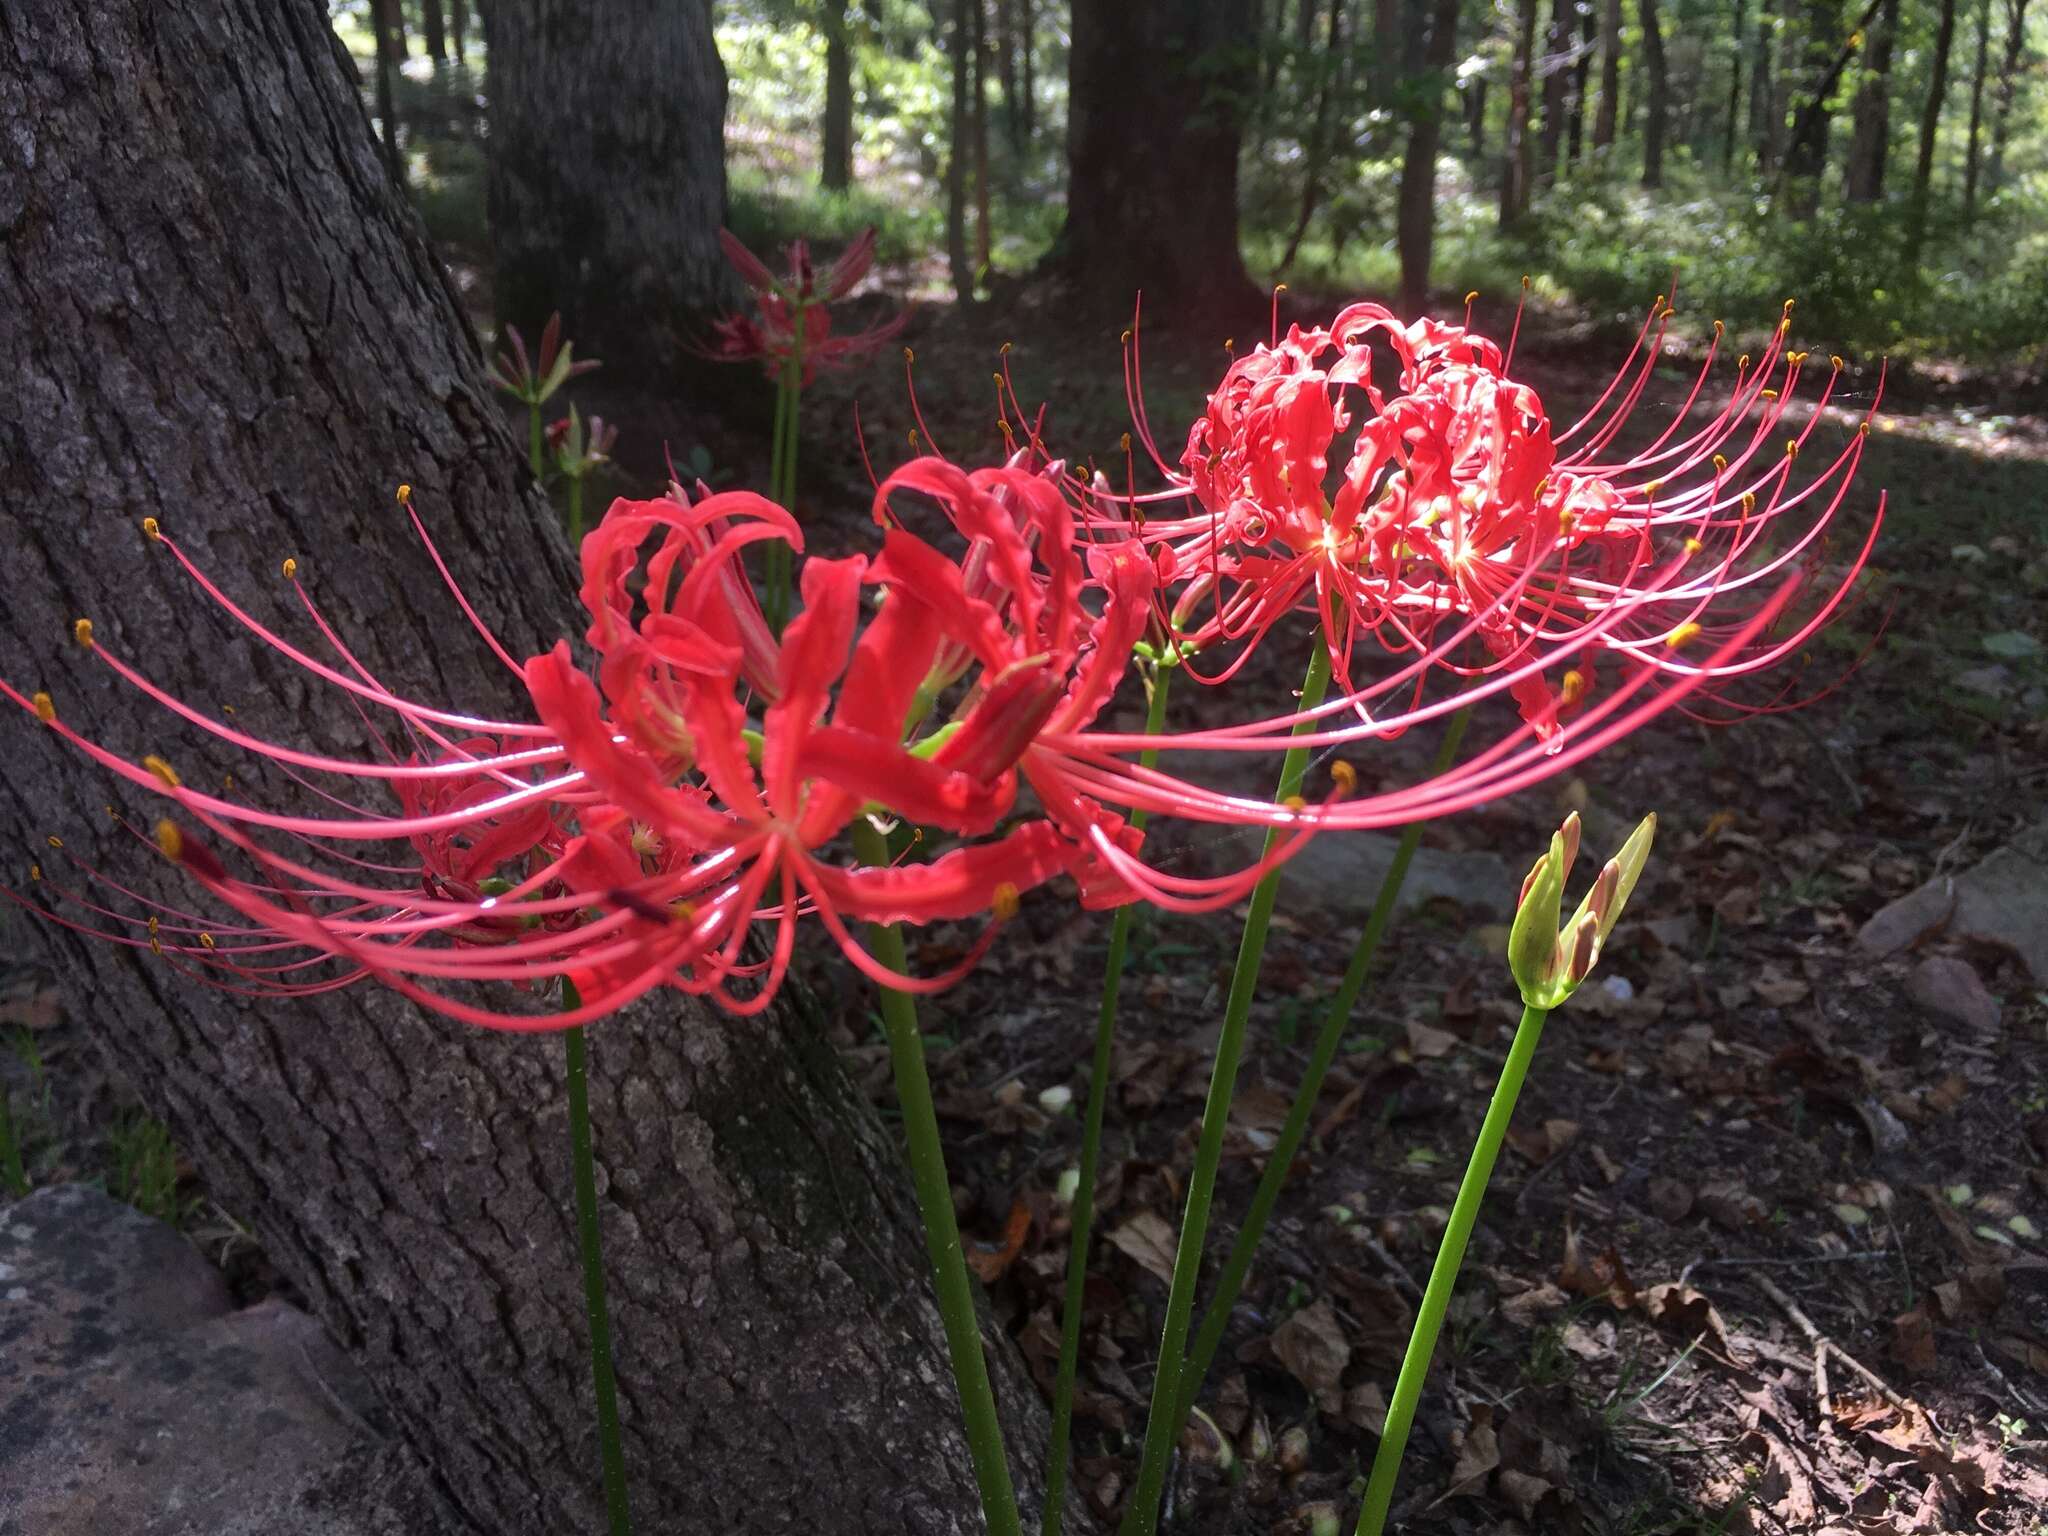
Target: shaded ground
[{"x": 1749, "y": 1134}]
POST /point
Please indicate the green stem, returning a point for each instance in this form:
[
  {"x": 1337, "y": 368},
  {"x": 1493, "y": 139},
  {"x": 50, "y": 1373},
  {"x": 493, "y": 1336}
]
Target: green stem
[
  {"x": 1436, "y": 1296},
  {"x": 1161, "y": 1427},
  {"x": 535, "y": 442},
  {"x": 1091, "y": 1155},
  {"x": 941, "y": 1230},
  {"x": 1210, "y": 1335},
  {"x": 775, "y": 552},
  {"x": 610, "y": 1451},
  {"x": 793, "y": 387},
  {"x": 576, "y": 512}
]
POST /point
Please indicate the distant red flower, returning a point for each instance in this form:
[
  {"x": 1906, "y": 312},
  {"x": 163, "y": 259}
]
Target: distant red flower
[{"x": 792, "y": 323}]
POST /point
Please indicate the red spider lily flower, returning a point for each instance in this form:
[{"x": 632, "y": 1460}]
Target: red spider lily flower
[
  {"x": 530, "y": 382},
  {"x": 792, "y": 324},
  {"x": 1452, "y": 499}
]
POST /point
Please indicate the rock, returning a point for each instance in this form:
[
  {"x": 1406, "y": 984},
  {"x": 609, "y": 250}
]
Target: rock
[
  {"x": 1671, "y": 1199},
  {"x": 1908, "y": 920},
  {"x": 1952, "y": 988},
  {"x": 1342, "y": 873},
  {"x": 2003, "y": 901},
  {"x": 136, "y": 1401}
]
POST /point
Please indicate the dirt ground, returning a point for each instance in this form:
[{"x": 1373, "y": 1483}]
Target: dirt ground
[{"x": 1767, "y": 1250}]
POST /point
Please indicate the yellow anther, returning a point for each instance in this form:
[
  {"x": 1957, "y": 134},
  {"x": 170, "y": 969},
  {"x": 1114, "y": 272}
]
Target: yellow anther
[
  {"x": 912, "y": 434},
  {"x": 1295, "y": 803},
  {"x": 1006, "y": 902},
  {"x": 1835, "y": 358},
  {"x": 1653, "y": 487},
  {"x": 82, "y": 633},
  {"x": 405, "y": 495},
  {"x": 1742, "y": 361},
  {"x": 1669, "y": 311},
  {"x": 1004, "y": 349},
  {"x": 1345, "y": 775},
  {"x": 291, "y": 568},
  {"x": 165, "y": 774},
  {"x": 1863, "y": 429},
  {"x": 1680, "y": 635},
  {"x": 1718, "y": 329},
  {"x": 1770, "y": 394},
  {"x": 151, "y": 531},
  {"x": 1279, "y": 287},
  {"x": 170, "y": 839},
  {"x": 35, "y": 872},
  {"x": 1126, "y": 442},
  {"x": 1230, "y": 343},
  {"x": 1791, "y": 448},
  {"x": 1720, "y": 464},
  {"x": 206, "y": 939},
  {"x": 227, "y": 709},
  {"x": 1525, "y": 286},
  {"x": 114, "y": 814},
  {"x": 1784, "y": 325},
  {"x": 1798, "y": 359},
  {"x": 1788, "y": 305},
  {"x": 46, "y": 708},
  {"x": 152, "y": 924},
  {"x": 1693, "y": 546},
  {"x": 227, "y": 781},
  {"x": 1574, "y": 686},
  {"x": 156, "y": 945},
  {"x": 909, "y": 356},
  {"x": 1474, "y": 294},
  {"x": 1748, "y": 503},
  {"x": 683, "y": 911},
  {"x": 54, "y": 840}
]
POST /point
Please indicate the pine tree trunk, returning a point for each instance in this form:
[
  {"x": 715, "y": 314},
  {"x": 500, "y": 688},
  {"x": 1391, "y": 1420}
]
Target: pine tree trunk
[
  {"x": 1517, "y": 149},
  {"x": 1734, "y": 91},
  {"x": 221, "y": 314},
  {"x": 1930, "y": 123},
  {"x": 1610, "y": 74},
  {"x": 1320, "y": 135},
  {"x": 1972, "y": 160},
  {"x": 1027, "y": 46},
  {"x": 1152, "y": 162},
  {"x": 983, "y": 239},
  {"x": 1806, "y": 155},
  {"x": 1870, "y": 144},
  {"x": 1416, "y": 231},
  {"x": 1582, "y": 79},
  {"x": 1766, "y": 115},
  {"x": 958, "y": 152},
  {"x": 1657, "y": 106},
  {"x": 1556, "y": 80},
  {"x": 1385, "y": 66},
  {"x": 835, "y": 171},
  {"x": 2008, "y": 88},
  {"x": 435, "y": 24},
  {"x": 1006, "y": 68},
  {"x": 389, "y": 24},
  {"x": 607, "y": 174},
  {"x": 458, "y": 29}
]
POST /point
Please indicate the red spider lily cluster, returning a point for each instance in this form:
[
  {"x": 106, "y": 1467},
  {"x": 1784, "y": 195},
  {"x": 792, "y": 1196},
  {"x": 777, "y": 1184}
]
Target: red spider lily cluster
[
  {"x": 672, "y": 816},
  {"x": 791, "y": 327}
]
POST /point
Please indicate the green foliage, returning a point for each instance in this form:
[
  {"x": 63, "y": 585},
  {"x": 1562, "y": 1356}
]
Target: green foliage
[{"x": 145, "y": 1168}]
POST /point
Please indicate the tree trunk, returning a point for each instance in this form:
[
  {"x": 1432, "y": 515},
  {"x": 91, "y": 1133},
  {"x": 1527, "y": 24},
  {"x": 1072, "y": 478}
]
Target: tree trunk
[
  {"x": 1657, "y": 106},
  {"x": 458, "y": 29},
  {"x": 1734, "y": 92},
  {"x": 835, "y": 173},
  {"x": 1006, "y": 68},
  {"x": 1766, "y": 114},
  {"x": 1517, "y": 149},
  {"x": 389, "y": 24},
  {"x": 1556, "y": 79},
  {"x": 1385, "y": 67},
  {"x": 2008, "y": 88},
  {"x": 435, "y": 24},
  {"x": 1930, "y": 122},
  {"x": 1971, "y": 157},
  {"x": 958, "y": 151},
  {"x": 1806, "y": 155},
  {"x": 1582, "y": 79},
  {"x": 1027, "y": 45},
  {"x": 607, "y": 174},
  {"x": 1416, "y": 232},
  {"x": 1320, "y": 135},
  {"x": 1610, "y": 74},
  {"x": 1152, "y": 161},
  {"x": 982, "y": 237},
  {"x": 1475, "y": 116},
  {"x": 222, "y": 315},
  {"x": 1870, "y": 145}
]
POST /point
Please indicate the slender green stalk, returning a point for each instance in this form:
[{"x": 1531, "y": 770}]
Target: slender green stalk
[
  {"x": 1450, "y": 1253},
  {"x": 1091, "y": 1157},
  {"x": 793, "y": 387},
  {"x": 775, "y": 553},
  {"x": 1161, "y": 1427},
  {"x": 576, "y": 512},
  {"x": 535, "y": 442},
  {"x": 610, "y": 1451},
  {"x": 1335, "y": 1023},
  {"x": 941, "y": 1230}
]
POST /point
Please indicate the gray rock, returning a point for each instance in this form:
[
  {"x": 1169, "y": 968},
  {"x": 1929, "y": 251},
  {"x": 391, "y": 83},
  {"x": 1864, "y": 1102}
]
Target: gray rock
[
  {"x": 1908, "y": 920},
  {"x": 1951, "y": 988},
  {"x": 135, "y": 1401},
  {"x": 2004, "y": 901},
  {"x": 1342, "y": 872}
]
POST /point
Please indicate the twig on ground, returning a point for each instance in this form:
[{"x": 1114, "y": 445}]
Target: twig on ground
[{"x": 1821, "y": 1343}]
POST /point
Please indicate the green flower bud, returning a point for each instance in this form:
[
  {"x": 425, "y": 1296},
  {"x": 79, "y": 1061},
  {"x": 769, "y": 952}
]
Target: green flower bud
[{"x": 1548, "y": 962}]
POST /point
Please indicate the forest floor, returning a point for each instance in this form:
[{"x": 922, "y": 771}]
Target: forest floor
[{"x": 1747, "y": 1137}]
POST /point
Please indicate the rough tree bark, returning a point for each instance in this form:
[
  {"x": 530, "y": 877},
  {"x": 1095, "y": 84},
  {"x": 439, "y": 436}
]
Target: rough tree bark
[
  {"x": 1609, "y": 115},
  {"x": 835, "y": 171},
  {"x": 1972, "y": 157},
  {"x": 1870, "y": 143},
  {"x": 221, "y": 314},
  {"x": 607, "y": 174},
  {"x": 1657, "y": 99},
  {"x": 1416, "y": 232},
  {"x": 1518, "y": 150},
  {"x": 434, "y": 23},
  {"x": 1582, "y": 76},
  {"x": 1557, "y": 44},
  {"x": 1930, "y": 123},
  {"x": 387, "y": 20},
  {"x": 2008, "y": 90},
  {"x": 1152, "y": 161}
]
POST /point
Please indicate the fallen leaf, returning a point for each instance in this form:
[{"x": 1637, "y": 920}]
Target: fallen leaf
[
  {"x": 1687, "y": 1310},
  {"x": 1541, "y": 1145},
  {"x": 1365, "y": 1406},
  {"x": 1311, "y": 1344},
  {"x": 1730, "y": 1205},
  {"x": 1603, "y": 1276},
  {"x": 1148, "y": 1239},
  {"x": 1671, "y": 1199},
  {"x": 1427, "y": 1042},
  {"x": 988, "y": 1263},
  {"x": 1778, "y": 989},
  {"x": 1478, "y": 1454},
  {"x": 1523, "y": 1491},
  {"x": 1913, "y": 1341}
]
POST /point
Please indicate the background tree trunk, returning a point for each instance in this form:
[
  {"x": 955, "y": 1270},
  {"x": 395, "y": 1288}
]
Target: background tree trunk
[
  {"x": 2008, "y": 88},
  {"x": 1734, "y": 91},
  {"x": 458, "y": 29},
  {"x": 388, "y": 21},
  {"x": 1972, "y": 159},
  {"x": 1152, "y": 161},
  {"x": 1027, "y": 45},
  {"x": 1823, "y": 54},
  {"x": 1582, "y": 78},
  {"x": 607, "y": 174},
  {"x": 1766, "y": 116},
  {"x": 1321, "y": 132},
  {"x": 1517, "y": 149},
  {"x": 835, "y": 173},
  {"x": 1610, "y": 74},
  {"x": 959, "y": 265},
  {"x": 1930, "y": 123},
  {"x": 983, "y": 248},
  {"x": 222, "y": 314},
  {"x": 1657, "y": 104},
  {"x": 1416, "y": 233},
  {"x": 435, "y": 24},
  {"x": 1475, "y": 116},
  {"x": 1870, "y": 145},
  {"x": 1556, "y": 78}
]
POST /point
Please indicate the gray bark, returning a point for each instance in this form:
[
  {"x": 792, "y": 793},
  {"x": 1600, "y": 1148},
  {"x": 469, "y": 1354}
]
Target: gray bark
[
  {"x": 1972, "y": 159},
  {"x": 2008, "y": 91},
  {"x": 1605, "y": 122},
  {"x": 1657, "y": 98},
  {"x": 836, "y": 170},
  {"x": 1870, "y": 143},
  {"x": 220, "y": 313},
  {"x": 1416, "y": 233},
  {"x": 607, "y": 173}
]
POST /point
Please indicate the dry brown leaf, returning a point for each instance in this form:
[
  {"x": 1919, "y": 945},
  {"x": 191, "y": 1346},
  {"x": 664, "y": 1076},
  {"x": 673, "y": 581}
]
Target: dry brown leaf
[
  {"x": 1687, "y": 1310},
  {"x": 1603, "y": 1275},
  {"x": 1913, "y": 1341},
  {"x": 1426, "y": 1041},
  {"x": 1311, "y": 1344},
  {"x": 1149, "y": 1240},
  {"x": 1540, "y": 1145},
  {"x": 1778, "y": 989},
  {"x": 1365, "y": 1406},
  {"x": 988, "y": 1263},
  {"x": 1478, "y": 1454}
]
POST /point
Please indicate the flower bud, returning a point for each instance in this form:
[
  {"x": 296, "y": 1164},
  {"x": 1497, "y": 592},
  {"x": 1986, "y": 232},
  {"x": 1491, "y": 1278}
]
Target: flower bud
[{"x": 1548, "y": 963}]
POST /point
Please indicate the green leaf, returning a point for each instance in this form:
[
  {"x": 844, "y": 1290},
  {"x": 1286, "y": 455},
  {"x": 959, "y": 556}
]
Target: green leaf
[{"x": 2012, "y": 645}]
